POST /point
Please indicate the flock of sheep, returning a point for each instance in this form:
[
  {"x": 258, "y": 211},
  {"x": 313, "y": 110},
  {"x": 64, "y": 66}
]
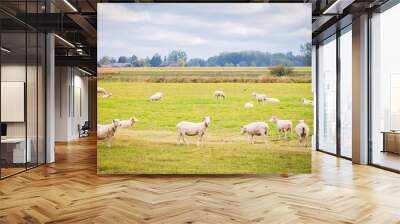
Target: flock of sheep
[{"x": 186, "y": 128}]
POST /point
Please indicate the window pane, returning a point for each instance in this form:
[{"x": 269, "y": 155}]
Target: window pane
[
  {"x": 386, "y": 88},
  {"x": 346, "y": 94},
  {"x": 31, "y": 97},
  {"x": 13, "y": 86},
  {"x": 327, "y": 96}
]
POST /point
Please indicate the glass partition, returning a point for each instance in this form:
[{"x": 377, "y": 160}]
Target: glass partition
[
  {"x": 22, "y": 77},
  {"x": 346, "y": 93},
  {"x": 385, "y": 88},
  {"x": 327, "y": 95},
  {"x": 31, "y": 98},
  {"x": 41, "y": 110},
  {"x": 13, "y": 94}
]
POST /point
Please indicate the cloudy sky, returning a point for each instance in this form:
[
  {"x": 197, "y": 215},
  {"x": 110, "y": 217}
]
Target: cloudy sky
[{"x": 202, "y": 30}]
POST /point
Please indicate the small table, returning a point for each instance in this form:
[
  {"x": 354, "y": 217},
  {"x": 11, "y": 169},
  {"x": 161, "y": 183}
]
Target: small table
[{"x": 391, "y": 141}]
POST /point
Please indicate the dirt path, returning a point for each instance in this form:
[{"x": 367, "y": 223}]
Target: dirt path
[{"x": 165, "y": 136}]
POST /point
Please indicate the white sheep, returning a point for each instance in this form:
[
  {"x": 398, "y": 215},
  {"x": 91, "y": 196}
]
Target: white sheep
[
  {"x": 219, "y": 94},
  {"x": 282, "y": 126},
  {"x": 105, "y": 93},
  {"x": 108, "y": 95},
  {"x": 260, "y": 97},
  {"x": 107, "y": 131},
  {"x": 302, "y": 130},
  {"x": 128, "y": 123},
  {"x": 273, "y": 100},
  {"x": 102, "y": 90},
  {"x": 192, "y": 129},
  {"x": 307, "y": 102},
  {"x": 249, "y": 105},
  {"x": 255, "y": 129},
  {"x": 156, "y": 96}
]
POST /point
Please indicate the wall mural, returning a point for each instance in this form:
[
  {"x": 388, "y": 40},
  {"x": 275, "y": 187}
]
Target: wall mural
[{"x": 204, "y": 88}]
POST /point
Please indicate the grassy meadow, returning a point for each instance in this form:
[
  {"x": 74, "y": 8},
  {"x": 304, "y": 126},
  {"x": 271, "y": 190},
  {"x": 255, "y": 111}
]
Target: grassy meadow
[
  {"x": 203, "y": 75},
  {"x": 149, "y": 147}
]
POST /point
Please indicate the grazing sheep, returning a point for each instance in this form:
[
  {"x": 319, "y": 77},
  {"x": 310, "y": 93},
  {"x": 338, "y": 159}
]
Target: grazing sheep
[
  {"x": 307, "y": 102},
  {"x": 282, "y": 126},
  {"x": 273, "y": 100},
  {"x": 128, "y": 123},
  {"x": 156, "y": 96},
  {"x": 302, "y": 130},
  {"x": 219, "y": 94},
  {"x": 107, "y": 131},
  {"x": 105, "y": 96},
  {"x": 102, "y": 90},
  {"x": 192, "y": 129},
  {"x": 255, "y": 129},
  {"x": 105, "y": 93},
  {"x": 260, "y": 97},
  {"x": 249, "y": 105}
]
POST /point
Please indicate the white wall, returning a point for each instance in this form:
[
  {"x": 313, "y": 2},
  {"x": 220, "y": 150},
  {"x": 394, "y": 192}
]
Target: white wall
[{"x": 70, "y": 84}]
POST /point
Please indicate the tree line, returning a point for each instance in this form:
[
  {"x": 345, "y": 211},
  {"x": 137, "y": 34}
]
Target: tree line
[{"x": 178, "y": 58}]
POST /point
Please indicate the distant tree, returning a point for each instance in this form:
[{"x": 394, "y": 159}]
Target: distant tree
[
  {"x": 123, "y": 59},
  {"x": 134, "y": 61},
  {"x": 174, "y": 56},
  {"x": 243, "y": 64},
  {"x": 112, "y": 61},
  {"x": 181, "y": 62},
  {"x": 228, "y": 65},
  {"x": 281, "y": 70},
  {"x": 105, "y": 60},
  {"x": 196, "y": 62},
  {"x": 144, "y": 62},
  {"x": 306, "y": 51},
  {"x": 240, "y": 58},
  {"x": 155, "y": 61}
]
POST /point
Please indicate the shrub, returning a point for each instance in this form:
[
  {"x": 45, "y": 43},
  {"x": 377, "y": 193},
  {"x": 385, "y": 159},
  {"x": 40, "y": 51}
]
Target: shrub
[{"x": 281, "y": 70}]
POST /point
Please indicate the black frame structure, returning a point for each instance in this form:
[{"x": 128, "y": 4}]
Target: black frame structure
[
  {"x": 337, "y": 26},
  {"x": 39, "y": 42},
  {"x": 381, "y": 9},
  {"x": 339, "y": 32}
]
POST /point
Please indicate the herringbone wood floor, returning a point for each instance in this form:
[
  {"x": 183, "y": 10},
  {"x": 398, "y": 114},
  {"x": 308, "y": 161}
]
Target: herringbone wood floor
[{"x": 69, "y": 191}]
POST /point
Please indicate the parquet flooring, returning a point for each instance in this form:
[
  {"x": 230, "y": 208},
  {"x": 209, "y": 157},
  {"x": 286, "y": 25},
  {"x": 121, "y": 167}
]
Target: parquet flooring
[{"x": 70, "y": 191}]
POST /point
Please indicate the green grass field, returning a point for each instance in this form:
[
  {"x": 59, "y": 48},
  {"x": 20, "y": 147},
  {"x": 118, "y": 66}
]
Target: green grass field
[
  {"x": 150, "y": 146},
  {"x": 203, "y": 75}
]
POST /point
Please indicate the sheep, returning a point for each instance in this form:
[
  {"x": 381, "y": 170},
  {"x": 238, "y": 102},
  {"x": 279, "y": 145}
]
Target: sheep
[
  {"x": 273, "y": 100},
  {"x": 105, "y": 93},
  {"x": 156, "y": 96},
  {"x": 192, "y": 129},
  {"x": 282, "y": 126},
  {"x": 102, "y": 90},
  {"x": 255, "y": 129},
  {"x": 260, "y": 97},
  {"x": 249, "y": 105},
  {"x": 219, "y": 94},
  {"x": 302, "y": 130},
  {"x": 307, "y": 102},
  {"x": 107, "y": 131},
  {"x": 108, "y": 95},
  {"x": 128, "y": 123}
]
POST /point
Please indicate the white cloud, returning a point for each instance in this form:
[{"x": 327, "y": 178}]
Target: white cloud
[
  {"x": 202, "y": 29},
  {"x": 179, "y": 38},
  {"x": 237, "y": 28},
  {"x": 120, "y": 13}
]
